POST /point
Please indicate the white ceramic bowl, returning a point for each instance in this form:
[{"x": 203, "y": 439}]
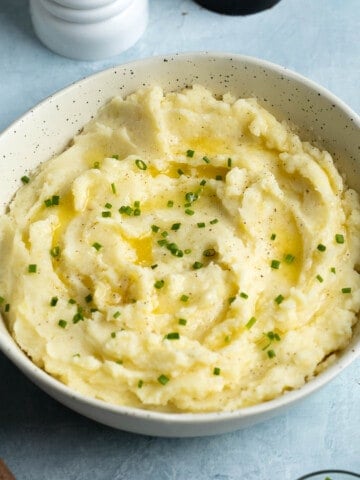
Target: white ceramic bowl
[{"x": 46, "y": 130}]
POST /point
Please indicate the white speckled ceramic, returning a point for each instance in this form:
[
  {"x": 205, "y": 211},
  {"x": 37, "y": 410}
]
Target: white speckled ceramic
[{"x": 46, "y": 130}]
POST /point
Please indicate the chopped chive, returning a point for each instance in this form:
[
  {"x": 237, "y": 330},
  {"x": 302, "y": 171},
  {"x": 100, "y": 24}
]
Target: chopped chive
[
  {"x": 88, "y": 298},
  {"x": 339, "y": 238},
  {"x": 321, "y": 247},
  {"x": 113, "y": 334},
  {"x": 47, "y": 202},
  {"x": 162, "y": 242},
  {"x": 137, "y": 212},
  {"x": 155, "y": 228},
  {"x": 288, "y": 258},
  {"x": 271, "y": 353},
  {"x": 55, "y": 200},
  {"x": 55, "y": 251},
  {"x": 275, "y": 264},
  {"x": 209, "y": 252},
  {"x": 62, "y": 323},
  {"x": 190, "y": 153},
  {"x": 25, "y": 179},
  {"x": 137, "y": 204},
  {"x": 250, "y": 323},
  {"x": 215, "y": 220},
  {"x": 97, "y": 246},
  {"x": 53, "y": 301},
  {"x": 140, "y": 164},
  {"x": 244, "y": 295},
  {"x": 159, "y": 284},
  {"x": 77, "y": 317},
  {"x": 187, "y": 251},
  {"x": 175, "y": 226},
  {"x": 32, "y": 268},
  {"x": 108, "y": 205},
  {"x": 7, "y": 308},
  {"x": 115, "y": 156},
  {"x": 2, "y": 300},
  {"x": 119, "y": 362},
  {"x": 218, "y": 177},
  {"x": 206, "y": 160},
  {"x": 117, "y": 314},
  {"x": 140, "y": 384},
  {"x": 279, "y": 299},
  {"x": 197, "y": 265},
  {"x": 201, "y": 225},
  {"x": 126, "y": 209},
  {"x": 189, "y": 212},
  {"x": 170, "y": 203},
  {"x": 93, "y": 310},
  {"x": 346, "y": 290},
  {"x": 96, "y": 165},
  {"x": 180, "y": 172},
  {"x": 173, "y": 336},
  {"x": 191, "y": 197},
  {"x": 333, "y": 270},
  {"x": 319, "y": 278},
  {"x": 273, "y": 236},
  {"x": 182, "y": 321},
  {"x": 164, "y": 234},
  {"x": 231, "y": 300},
  {"x": 227, "y": 339},
  {"x": 179, "y": 254},
  {"x": 273, "y": 336},
  {"x": 154, "y": 266},
  {"x": 106, "y": 214},
  {"x": 72, "y": 301},
  {"x": 113, "y": 187},
  {"x": 184, "y": 298},
  {"x": 163, "y": 379},
  {"x": 216, "y": 371},
  {"x": 229, "y": 162}
]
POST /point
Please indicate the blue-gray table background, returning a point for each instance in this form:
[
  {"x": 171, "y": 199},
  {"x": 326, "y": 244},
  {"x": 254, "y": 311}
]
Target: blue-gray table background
[{"x": 41, "y": 439}]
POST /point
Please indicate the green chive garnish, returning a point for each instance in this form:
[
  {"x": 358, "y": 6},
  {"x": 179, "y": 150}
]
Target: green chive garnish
[
  {"x": 187, "y": 251},
  {"x": 180, "y": 172},
  {"x": 2, "y": 300},
  {"x": 62, "y": 323},
  {"x": 244, "y": 295},
  {"x": 55, "y": 251},
  {"x": 32, "y": 268},
  {"x": 197, "y": 265},
  {"x": 203, "y": 182},
  {"x": 189, "y": 212},
  {"x": 72, "y": 301},
  {"x": 215, "y": 220},
  {"x": 190, "y": 153},
  {"x": 229, "y": 162},
  {"x": 88, "y": 298},
  {"x": 55, "y": 200},
  {"x": 250, "y": 323},
  {"x": 273, "y": 236},
  {"x": 97, "y": 246},
  {"x": 206, "y": 160},
  {"x": 115, "y": 156},
  {"x": 140, "y": 384},
  {"x": 159, "y": 284},
  {"x": 279, "y": 299},
  {"x": 275, "y": 264},
  {"x": 25, "y": 179},
  {"x": 346, "y": 290},
  {"x": 47, "y": 202},
  {"x": 96, "y": 165},
  {"x": 7, "y": 308},
  {"x": 154, "y": 266},
  {"x": 184, "y": 298},
  {"x": 116, "y": 314},
  {"x": 191, "y": 197},
  {"x": 113, "y": 187},
  {"x": 216, "y": 371},
  {"x": 271, "y": 353},
  {"x": 155, "y": 228},
  {"x": 108, "y": 205},
  {"x": 162, "y": 242},
  {"x": 218, "y": 177},
  {"x": 321, "y": 247},
  {"x": 231, "y": 300},
  {"x": 175, "y": 226},
  {"x": 339, "y": 238},
  {"x": 172, "y": 336},
  {"x": 289, "y": 258},
  {"x": 209, "y": 252},
  {"x": 77, "y": 317},
  {"x": 170, "y": 203},
  {"x": 182, "y": 321},
  {"x": 140, "y": 164},
  {"x": 53, "y": 301},
  {"x": 201, "y": 225},
  {"x": 106, "y": 214},
  {"x": 333, "y": 270},
  {"x": 319, "y": 278},
  {"x": 164, "y": 234},
  {"x": 163, "y": 379}
]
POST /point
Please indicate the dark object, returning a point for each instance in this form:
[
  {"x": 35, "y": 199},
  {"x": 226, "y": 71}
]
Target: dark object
[
  {"x": 5, "y": 473},
  {"x": 237, "y": 7}
]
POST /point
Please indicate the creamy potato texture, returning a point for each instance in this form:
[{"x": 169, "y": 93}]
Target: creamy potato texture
[{"x": 186, "y": 254}]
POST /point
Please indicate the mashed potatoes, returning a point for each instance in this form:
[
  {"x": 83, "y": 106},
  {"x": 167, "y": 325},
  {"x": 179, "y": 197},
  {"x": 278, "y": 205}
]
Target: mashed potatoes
[{"x": 185, "y": 254}]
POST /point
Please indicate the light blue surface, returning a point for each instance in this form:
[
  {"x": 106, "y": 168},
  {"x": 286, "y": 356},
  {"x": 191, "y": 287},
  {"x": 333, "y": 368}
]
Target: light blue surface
[{"x": 41, "y": 439}]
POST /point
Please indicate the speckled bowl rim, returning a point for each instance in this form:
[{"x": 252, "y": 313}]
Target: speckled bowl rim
[{"x": 346, "y": 357}]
